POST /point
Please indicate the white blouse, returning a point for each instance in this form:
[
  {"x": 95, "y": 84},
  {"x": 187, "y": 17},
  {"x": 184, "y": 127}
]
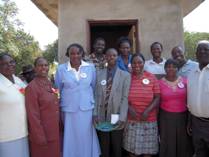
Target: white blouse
[{"x": 13, "y": 122}]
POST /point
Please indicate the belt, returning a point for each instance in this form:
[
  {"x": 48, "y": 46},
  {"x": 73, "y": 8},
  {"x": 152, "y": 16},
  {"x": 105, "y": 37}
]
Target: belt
[{"x": 203, "y": 119}]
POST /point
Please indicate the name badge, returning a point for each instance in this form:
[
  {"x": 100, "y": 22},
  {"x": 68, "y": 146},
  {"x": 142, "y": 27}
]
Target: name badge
[
  {"x": 103, "y": 82},
  {"x": 129, "y": 65},
  {"x": 145, "y": 81},
  {"x": 83, "y": 75},
  {"x": 180, "y": 85}
]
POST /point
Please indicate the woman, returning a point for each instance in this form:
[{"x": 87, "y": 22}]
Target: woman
[
  {"x": 124, "y": 59},
  {"x": 76, "y": 80},
  {"x": 43, "y": 113},
  {"x": 111, "y": 99},
  {"x": 13, "y": 123},
  {"x": 174, "y": 141},
  {"x": 98, "y": 56},
  {"x": 156, "y": 64},
  {"x": 141, "y": 132}
]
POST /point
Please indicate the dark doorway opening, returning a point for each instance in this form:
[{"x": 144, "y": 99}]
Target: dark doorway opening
[{"x": 111, "y": 31}]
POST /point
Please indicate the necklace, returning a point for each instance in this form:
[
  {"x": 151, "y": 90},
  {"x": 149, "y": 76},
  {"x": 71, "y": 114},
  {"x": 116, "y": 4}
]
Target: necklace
[{"x": 172, "y": 84}]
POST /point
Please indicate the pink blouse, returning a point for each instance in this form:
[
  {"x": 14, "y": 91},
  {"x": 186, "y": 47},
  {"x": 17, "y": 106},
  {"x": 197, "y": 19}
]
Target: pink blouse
[{"x": 173, "y": 100}]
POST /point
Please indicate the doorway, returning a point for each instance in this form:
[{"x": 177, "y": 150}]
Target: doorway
[{"x": 111, "y": 31}]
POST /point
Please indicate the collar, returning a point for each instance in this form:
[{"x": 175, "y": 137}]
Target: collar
[
  {"x": 198, "y": 69},
  {"x": 112, "y": 71},
  {"x": 121, "y": 58},
  {"x": 153, "y": 62},
  {"x": 69, "y": 67},
  {"x": 8, "y": 83},
  {"x": 187, "y": 62},
  {"x": 5, "y": 81}
]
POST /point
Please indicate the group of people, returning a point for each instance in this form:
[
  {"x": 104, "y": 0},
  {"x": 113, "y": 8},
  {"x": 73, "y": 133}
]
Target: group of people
[{"x": 106, "y": 103}]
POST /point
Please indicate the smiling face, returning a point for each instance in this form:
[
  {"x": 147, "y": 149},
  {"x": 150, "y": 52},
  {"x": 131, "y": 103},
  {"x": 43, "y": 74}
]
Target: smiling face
[
  {"x": 7, "y": 66},
  {"x": 137, "y": 65},
  {"x": 202, "y": 53},
  {"x": 99, "y": 46},
  {"x": 125, "y": 48},
  {"x": 171, "y": 68},
  {"x": 156, "y": 50},
  {"x": 111, "y": 57},
  {"x": 41, "y": 67},
  {"x": 75, "y": 55},
  {"x": 178, "y": 55}
]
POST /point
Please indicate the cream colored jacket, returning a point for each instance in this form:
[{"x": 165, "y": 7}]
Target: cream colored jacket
[{"x": 13, "y": 123}]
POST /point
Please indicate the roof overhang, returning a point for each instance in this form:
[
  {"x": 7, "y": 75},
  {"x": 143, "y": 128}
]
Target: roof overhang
[
  {"x": 50, "y": 7},
  {"x": 189, "y": 5}
]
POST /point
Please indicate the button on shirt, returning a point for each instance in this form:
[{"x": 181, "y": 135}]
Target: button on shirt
[
  {"x": 154, "y": 68},
  {"x": 187, "y": 68},
  {"x": 198, "y": 92}
]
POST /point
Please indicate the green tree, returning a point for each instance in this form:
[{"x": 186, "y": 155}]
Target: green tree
[
  {"x": 190, "y": 41},
  {"x": 51, "y": 52},
  {"x": 13, "y": 39}
]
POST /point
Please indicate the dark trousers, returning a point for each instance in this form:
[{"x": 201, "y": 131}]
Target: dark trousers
[
  {"x": 111, "y": 143},
  {"x": 200, "y": 133}
]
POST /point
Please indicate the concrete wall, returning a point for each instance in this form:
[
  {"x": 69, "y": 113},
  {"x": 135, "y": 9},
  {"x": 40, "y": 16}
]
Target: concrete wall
[{"x": 159, "y": 20}]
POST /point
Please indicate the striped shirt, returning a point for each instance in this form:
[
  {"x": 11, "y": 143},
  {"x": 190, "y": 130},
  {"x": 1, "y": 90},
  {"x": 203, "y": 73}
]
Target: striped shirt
[{"x": 141, "y": 94}]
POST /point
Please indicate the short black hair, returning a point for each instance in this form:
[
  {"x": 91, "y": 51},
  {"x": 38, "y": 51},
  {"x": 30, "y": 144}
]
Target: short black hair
[
  {"x": 137, "y": 55},
  {"x": 111, "y": 49},
  {"x": 156, "y": 43},
  {"x": 98, "y": 39},
  {"x": 122, "y": 40},
  {"x": 169, "y": 62},
  {"x": 81, "y": 50},
  {"x": 3, "y": 54},
  {"x": 37, "y": 59}
]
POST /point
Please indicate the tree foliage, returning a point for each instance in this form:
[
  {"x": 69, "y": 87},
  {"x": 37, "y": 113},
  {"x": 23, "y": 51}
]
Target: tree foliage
[
  {"x": 13, "y": 39},
  {"x": 51, "y": 52},
  {"x": 190, "y": 41}
]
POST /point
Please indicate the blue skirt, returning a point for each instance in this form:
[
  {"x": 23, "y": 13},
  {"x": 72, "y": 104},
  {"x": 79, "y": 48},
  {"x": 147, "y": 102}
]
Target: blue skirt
[
  {"x": 15, "y": 148},
  {"x": 80, "y": 138}
]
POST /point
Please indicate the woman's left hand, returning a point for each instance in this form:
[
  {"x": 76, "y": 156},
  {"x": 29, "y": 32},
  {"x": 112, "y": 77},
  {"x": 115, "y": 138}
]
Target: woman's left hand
[{"x": 144, "y": 116}]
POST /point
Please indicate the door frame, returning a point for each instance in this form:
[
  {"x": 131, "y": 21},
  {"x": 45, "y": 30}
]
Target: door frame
[{"x": 128, "y": 22}]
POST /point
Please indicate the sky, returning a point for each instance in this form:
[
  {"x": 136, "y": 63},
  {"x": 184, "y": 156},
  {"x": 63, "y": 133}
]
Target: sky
[{"x": 45, "y": 32}]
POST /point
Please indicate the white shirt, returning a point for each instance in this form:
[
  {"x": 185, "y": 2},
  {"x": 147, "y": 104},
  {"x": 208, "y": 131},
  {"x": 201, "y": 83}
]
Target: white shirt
[
  {"x": 154, "y": 68},
  {"x": 78, "y": 73},
  {"x": 198, "y": 92},
  {"x": 13, "y": 123}
]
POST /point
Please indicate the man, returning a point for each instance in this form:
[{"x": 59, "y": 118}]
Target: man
[
  {"x": 111, "y": 104},
  {"x": 198, "y": 100},
  {"x": 185, "y": 67},
  {"x": 28, "y": 73},
  {"x": 156, "y": 64}
]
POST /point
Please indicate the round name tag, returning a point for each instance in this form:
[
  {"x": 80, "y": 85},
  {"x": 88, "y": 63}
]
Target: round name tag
[
  {"x": 145, "y": 81},
  {"x": 83, "y": 75},
  {"x": 129, "y": 65},
  {"x": 103, "y": 82},
  {"x": 180, "y": 85}
]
